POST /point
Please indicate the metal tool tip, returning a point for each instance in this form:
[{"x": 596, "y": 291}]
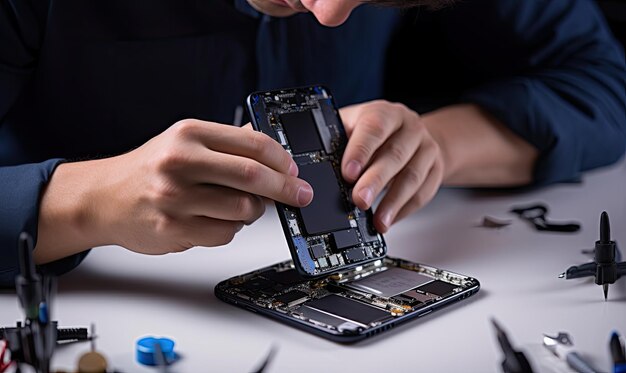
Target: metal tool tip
[
  {"x": 605, "y": 288},
  {"x": 562, "y": 275}
]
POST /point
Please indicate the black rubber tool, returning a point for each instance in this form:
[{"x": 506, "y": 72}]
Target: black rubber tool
[{"x": 536, "y": 215}]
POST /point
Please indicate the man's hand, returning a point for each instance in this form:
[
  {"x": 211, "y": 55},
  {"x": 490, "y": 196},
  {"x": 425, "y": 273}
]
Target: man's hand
[
  {"x": 196, "y": 184},
  {"x": 389, "y": 147}
]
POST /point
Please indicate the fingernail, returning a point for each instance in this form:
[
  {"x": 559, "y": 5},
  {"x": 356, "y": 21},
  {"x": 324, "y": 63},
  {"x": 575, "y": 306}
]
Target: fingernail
[
  {"x": 293, "y": 169},
  {"x": 367, "y": 195},
  {"x": 305, "y": 195},
  {"x": 386, "y": 219},
  {"x": 353, "y": 170}
]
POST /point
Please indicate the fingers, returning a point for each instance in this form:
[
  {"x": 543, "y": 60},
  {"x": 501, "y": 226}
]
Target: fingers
[
  {"x": 426, "y": 193},
  {"x": 372, "y": 128},
  {"x": 407, "y": 184},
  {"x": 240, "y": 141},
  {"x": 391, "y": 159},
  {"x": 236, "y": 158},
  {"x": 390, "y": 148},
  {"x": 216, "y": 202},
  {"x": 253, "y": 177}
]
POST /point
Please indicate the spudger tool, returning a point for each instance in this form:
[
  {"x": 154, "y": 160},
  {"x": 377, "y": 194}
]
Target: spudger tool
[
  {"x": 604, "y": 267},
  {"x": 514, "y": 361},
  {"x": 563, "y": 347}
]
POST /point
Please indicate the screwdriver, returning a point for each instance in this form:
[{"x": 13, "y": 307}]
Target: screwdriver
[{"x": 514, "y": 361}]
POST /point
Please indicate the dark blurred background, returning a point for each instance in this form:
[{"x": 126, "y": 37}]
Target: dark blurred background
[
  {"x": 440, "y": 47},
  {"x": 615, "y": 12}
]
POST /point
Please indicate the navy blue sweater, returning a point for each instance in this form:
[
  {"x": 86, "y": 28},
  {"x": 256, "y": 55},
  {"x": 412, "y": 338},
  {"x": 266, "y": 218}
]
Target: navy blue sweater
[{"x": 82, "y": 79}]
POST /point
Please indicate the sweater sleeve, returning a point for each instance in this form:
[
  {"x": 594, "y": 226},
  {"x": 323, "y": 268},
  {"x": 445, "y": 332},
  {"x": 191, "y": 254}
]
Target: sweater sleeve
[
  {"x": 21, "y": 30},
  {"x": 20, "y": 191},
  {"x": 557, "y": 79}
]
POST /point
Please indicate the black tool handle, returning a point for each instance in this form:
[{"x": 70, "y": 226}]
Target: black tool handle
[
  {"x": 606, "y": 270},
  {"x": 28, "y": 282},
  {"x": 617, "y": 349}
]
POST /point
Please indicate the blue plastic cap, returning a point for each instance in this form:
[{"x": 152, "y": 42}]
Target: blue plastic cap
[
  {"x": 43, "y": 313},
  {"x": 145, "y": 349}
]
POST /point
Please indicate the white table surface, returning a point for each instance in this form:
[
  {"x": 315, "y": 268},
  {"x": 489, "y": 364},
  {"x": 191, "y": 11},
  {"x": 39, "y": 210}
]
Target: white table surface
[{"x": 129, "y": 295}]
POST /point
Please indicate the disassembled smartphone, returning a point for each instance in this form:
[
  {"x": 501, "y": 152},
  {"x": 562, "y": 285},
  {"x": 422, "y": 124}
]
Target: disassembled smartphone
[
  {"x": 331, "y": 233},
  {"x": 351, "y": 305},
  {"x": 340, "y": 284}
]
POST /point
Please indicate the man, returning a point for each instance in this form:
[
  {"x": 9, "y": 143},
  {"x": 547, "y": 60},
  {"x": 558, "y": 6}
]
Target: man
[{"x": 526, "y": 93}]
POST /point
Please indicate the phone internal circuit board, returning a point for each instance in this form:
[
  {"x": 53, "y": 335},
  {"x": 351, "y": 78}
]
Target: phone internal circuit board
[
  {"x": 331, "y": 233},
  {"x": 361, "y": 301}
]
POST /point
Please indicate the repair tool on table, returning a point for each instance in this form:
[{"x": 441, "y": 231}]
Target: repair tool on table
[
  {"x": 563, "y": 347},
  {"x": 514, "y": 361},
  {"x": 491, "y": 222},
  {"x": 32, "y": 342},
  {"x": 604, "y": 267},
  {"x": 536, "y": 215},
  {"x": 618, "y": 353}
]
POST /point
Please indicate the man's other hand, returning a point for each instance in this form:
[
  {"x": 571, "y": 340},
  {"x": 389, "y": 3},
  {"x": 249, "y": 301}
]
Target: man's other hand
[{"x": 389, "y": 147}]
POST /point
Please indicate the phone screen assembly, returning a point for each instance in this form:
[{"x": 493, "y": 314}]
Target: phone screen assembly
[
  {"x": 339, "y": 284},
  {"x": 351, "y": 305},
  {"x": 331, "y": 233}
]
